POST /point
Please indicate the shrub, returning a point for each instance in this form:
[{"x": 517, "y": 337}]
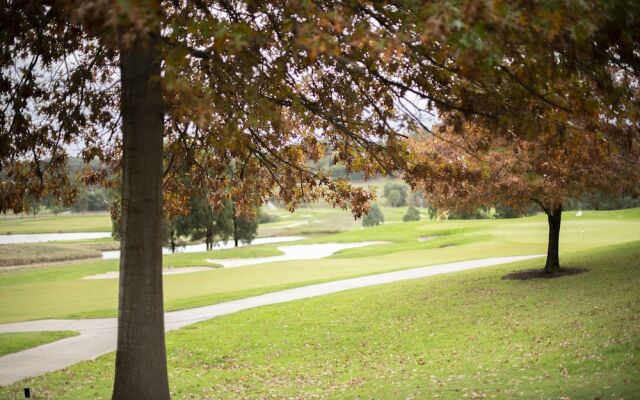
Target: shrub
[
  {"x": 265, "y": 217},
  {"x": 412, "y": 214},
  {"x": 402, "y": 193},
  {"x": 373, "y": 217}
]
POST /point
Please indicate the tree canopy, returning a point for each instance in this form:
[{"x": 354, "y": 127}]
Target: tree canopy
[
  {"x": 461, "y": 171},
  {"x": 241, "y": 97}
]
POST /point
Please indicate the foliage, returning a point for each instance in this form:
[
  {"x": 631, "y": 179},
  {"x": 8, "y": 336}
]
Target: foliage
[
  {"x": 394, "y": 197},
  {"x": 602, "y": 201},
  {"x": 480, "y": 168},
  {"x": 266, "y": 218},
  {"x": 245, "y": 228},
  {"x": 462, "y": 171},
  {"x": 412, "y": 214},
  {"x": 509, "y": 212},
  {"x": 204, "y": 222},
  {"x": 396, "y": 193},
  {"x": 373, "y": 217},
  {"x": 93, "y": 199}
]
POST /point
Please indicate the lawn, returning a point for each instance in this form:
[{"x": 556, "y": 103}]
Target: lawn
[
  {"x": 98, "y": 222},
  {"x": 463, "y": 335},
  {"x": 13, "y": 342},
  {"x": 58, "y": 292},
  {"x": 30, "y": 253}
]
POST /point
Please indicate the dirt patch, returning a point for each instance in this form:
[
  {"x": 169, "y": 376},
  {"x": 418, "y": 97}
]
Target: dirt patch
[{"x": 540, "y": 274}]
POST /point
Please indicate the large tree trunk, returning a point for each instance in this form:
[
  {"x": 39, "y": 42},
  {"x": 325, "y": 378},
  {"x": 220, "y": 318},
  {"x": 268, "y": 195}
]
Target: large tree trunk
[
  {"x": 141, "y": 366},
  {"x": 554, "y": 216}
]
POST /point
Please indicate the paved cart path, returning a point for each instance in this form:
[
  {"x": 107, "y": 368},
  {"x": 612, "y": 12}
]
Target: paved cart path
[{"x": 98, "y": 336}]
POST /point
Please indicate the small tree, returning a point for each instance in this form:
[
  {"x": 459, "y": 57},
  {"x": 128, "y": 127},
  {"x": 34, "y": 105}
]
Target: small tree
[
  {"x": 396, "y": 193},
  {"x": 395, "y": 198},
  {"x": 205, "y": 222},
  {"x": 245, "y": 227},
  {"x": 373, "y": 217},
  {"x": 464, "y": 170},
  {"x": 412, "y": 214}
]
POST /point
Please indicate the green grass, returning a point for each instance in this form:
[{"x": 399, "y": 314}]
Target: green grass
[
  {"x": 462, "y": 335},
  {"x": 99, "y": 222},
  {"x": 200, "y": 259},
  {"x": 31, "y": 253},
  {"x": 100, "y": 244},
  {"x": 62, "y": 294},
  {"x": 13, "y": 342}
]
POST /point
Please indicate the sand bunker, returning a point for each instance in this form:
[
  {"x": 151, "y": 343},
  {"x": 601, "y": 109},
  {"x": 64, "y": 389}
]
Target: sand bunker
[
  {"x": 297, "y": 252},
  {"x": 166, "y": 271}
]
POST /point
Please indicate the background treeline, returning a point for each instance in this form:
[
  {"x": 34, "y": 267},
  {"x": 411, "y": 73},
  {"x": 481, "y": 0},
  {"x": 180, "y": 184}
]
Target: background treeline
[
  {"x": 394, "y": 194},
  {"x": 399, "y": 194}
]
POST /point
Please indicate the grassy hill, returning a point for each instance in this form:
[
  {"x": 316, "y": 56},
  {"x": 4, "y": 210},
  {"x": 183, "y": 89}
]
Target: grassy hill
[{"x": 464, "y": 335}]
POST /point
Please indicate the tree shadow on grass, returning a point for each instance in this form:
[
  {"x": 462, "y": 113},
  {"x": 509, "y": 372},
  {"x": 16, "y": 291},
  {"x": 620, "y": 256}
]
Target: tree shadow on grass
[{"x": 527, "y": 274}]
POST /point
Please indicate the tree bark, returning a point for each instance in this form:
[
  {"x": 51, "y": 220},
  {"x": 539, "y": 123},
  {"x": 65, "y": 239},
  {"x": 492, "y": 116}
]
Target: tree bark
[
  {"x": 141, "y": 366},
  {"x": 209, "y": 240},
  {"x": 236, "y": 232},
  {"x": 554, "y": 217}
]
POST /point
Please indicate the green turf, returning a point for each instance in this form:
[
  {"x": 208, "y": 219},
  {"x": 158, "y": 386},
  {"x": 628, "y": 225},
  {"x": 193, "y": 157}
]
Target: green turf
[
  {"x": 462, "y": 335},
  {"x": 200, "y": 259},
  {"x": 30, "y": 253},
  {"x": 60, "y": 292},
  {"x": 13, "y": 342},
  {"x": 99, "y": 222}
]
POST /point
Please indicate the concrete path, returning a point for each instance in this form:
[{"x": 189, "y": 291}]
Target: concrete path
[{"x": 98, "y": 336}]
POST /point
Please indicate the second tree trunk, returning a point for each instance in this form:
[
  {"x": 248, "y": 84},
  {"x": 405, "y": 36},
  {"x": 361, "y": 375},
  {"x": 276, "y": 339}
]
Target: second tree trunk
[{"x": 554, "y": 217}]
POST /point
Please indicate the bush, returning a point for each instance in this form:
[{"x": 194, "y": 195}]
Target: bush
[
  {"x": 373, "y": 217},
  {"x": 398, "y": 199},
  {"x": 468, "y": 214},
  {"x": 412, "y": 214},
  {"x": 265, "y": 217}
]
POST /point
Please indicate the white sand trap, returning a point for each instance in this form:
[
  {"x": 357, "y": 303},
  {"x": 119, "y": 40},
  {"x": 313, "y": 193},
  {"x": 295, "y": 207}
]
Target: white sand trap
[
  {"x": 297, "y": 252},
  {"x": 166, "y": 271},
  {"x": 425, "y": 238}
]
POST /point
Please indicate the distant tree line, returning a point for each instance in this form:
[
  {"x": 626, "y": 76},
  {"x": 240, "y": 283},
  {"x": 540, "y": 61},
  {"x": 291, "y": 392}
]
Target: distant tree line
[
  {"x": 399, "y": 194},
  {"x": 203, "y": 222}
]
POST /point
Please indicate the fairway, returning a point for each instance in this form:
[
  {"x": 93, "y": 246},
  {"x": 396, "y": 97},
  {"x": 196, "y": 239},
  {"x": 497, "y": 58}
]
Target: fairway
[
  {"x": 62, "y": 294},
  {"x": 454, "y": 336},
  {"x": 450, "y": 336},
  {"x": 95, "y": 222}
]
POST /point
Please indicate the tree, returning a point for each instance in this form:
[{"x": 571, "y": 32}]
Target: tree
[
  {"x": 547, "y": 171},
  {"x": 245, "y": 227},
  {"x": 221, "y": 82},
  {"x": 412, "y": 214},
  {"x": 396, "y": 193},
  {"x": 395, "y": 198},
  {"x": 205, "y": 222},
  {"x": 269, "y": 85},
  {"x": 373, "y": 217}
]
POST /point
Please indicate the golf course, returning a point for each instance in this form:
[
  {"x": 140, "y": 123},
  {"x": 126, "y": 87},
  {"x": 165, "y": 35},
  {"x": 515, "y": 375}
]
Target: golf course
[{"x": 466, "y": 334}]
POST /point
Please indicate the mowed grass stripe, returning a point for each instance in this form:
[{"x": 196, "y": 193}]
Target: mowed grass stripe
[
  {"x": 463, "y": 335},
  {"x": 58, "y": 292}
]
